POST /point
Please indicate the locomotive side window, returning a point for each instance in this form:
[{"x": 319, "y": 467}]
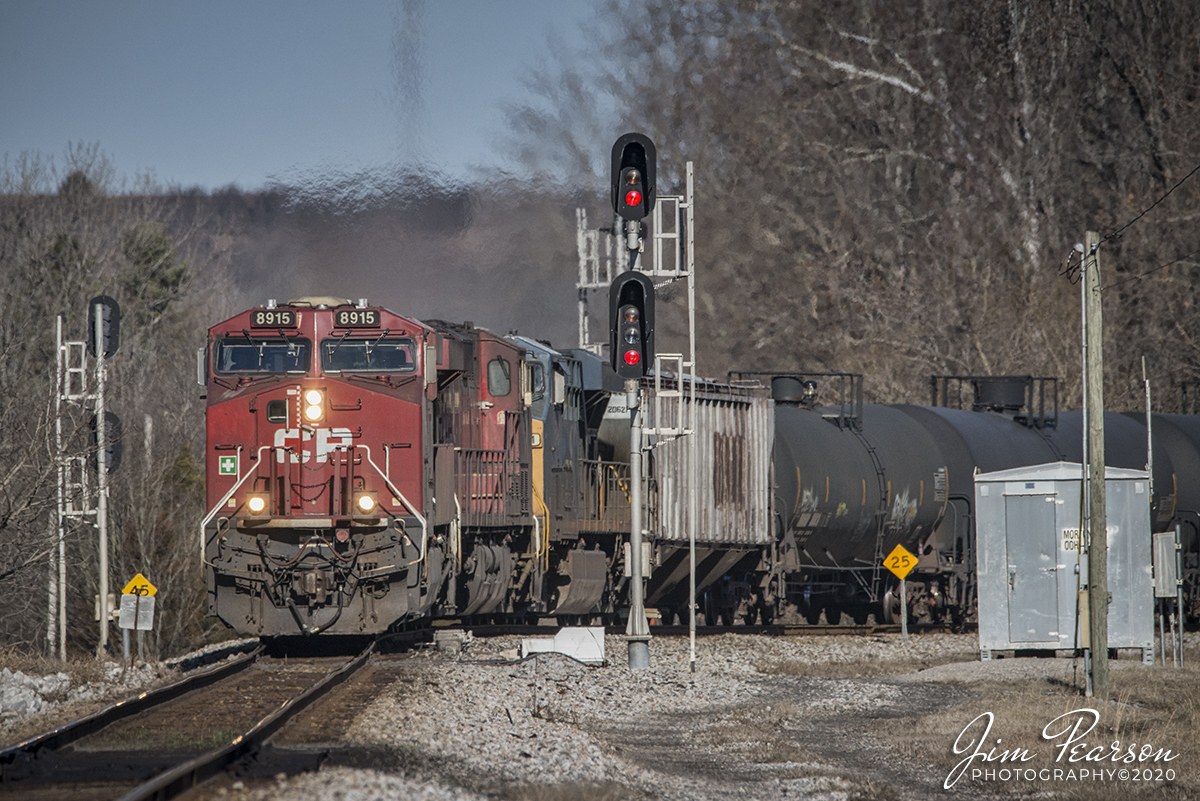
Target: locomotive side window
[
  {"x": 537, "y": 380},
  {"x": 499, "y": 377},
  {"x": 277, "y": 411},
  {"x": 261, "y": 356},
  {"x": 376, "y": 355}
]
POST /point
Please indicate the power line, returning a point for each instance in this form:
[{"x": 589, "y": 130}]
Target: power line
[
  {"x": 1146, "y": 211},
  {"x": 1148, "y": 272},
  {"x": 1070, "y": 269}
]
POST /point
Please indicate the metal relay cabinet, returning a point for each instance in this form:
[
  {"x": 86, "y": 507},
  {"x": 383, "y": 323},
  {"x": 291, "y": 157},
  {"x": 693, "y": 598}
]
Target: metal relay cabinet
[{"x": 1031, "y": 564}]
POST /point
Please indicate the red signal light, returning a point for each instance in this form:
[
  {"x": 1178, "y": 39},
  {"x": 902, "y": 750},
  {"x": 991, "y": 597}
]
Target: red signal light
[
  {"x": 633, "y": 198},
  {"x": 632, "y": 357}
]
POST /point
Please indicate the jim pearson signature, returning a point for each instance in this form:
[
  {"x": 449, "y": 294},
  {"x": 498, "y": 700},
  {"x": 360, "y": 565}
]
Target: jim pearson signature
[{"x": 1068, "y": 728}]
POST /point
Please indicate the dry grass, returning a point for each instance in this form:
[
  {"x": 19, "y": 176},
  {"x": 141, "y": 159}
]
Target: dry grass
[
  {"x": 81, "y": 671},
  {"x": 1153, "y": 705},
  {"x": 859, "y": 668},
  {"x": 609, "y": 791}
]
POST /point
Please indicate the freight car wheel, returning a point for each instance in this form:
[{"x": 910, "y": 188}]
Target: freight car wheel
[{"x": 891, "y": 607}]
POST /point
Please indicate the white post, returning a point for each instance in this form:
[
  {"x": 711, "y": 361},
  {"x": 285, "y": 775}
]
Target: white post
[
  {"x": 52, "y": 607},
  {"x": 637, "y": 633},
  {"x": 693, "y": 496},
  {"x": 52, "y": 590},
  {"x": 102, "y": 481},
  {"x": 581, "y": 249}
]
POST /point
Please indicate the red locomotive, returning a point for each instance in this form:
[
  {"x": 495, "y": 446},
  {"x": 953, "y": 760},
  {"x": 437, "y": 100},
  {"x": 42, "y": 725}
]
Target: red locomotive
[{"x": 365, "y": 468}]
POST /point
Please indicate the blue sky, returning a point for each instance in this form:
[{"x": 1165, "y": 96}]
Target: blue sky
[{"x": 214, "y": 93}]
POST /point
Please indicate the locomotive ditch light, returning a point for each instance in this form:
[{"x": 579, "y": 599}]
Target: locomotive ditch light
[
  {"x": 257, "y": 503},
  {"x": 365, "y": 502}
]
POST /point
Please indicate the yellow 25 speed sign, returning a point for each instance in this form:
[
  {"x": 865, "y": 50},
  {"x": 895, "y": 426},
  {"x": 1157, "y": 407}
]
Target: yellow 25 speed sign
[{"x": 900, "y": 561}]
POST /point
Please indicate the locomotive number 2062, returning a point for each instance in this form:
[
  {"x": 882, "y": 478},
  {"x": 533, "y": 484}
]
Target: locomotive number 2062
[{"x": 351, "y": 318}]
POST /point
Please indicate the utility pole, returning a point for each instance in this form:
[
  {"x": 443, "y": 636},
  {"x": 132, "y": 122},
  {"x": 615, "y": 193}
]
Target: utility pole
[{"x": 1098, "y": 596}]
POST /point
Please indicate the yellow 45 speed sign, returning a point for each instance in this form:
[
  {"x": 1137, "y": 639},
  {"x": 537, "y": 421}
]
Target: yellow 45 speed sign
[{"x": 139, "y": 585}]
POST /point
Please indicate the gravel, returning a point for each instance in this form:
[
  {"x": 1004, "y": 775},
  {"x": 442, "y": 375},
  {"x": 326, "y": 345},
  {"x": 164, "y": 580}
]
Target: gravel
[
  {"x": 492, "y": 726},
  {"x": 759, "y": 718},
  {"x": 551, "y": 728}
]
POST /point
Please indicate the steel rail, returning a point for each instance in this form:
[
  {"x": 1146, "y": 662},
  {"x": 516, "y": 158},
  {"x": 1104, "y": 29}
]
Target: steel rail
[
  {"x": 771, "y": 630},
  {"x": 802, "y": 629},
  {"x": 184, "y": 777},
  {"x": 77, "y": 729}
]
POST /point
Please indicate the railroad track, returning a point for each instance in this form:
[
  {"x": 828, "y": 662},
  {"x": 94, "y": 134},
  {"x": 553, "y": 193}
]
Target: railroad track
[
  {"x": 772, "y": 630},
  {"x": 802, "y": 629},
  {"x": 162, "y": 743}
]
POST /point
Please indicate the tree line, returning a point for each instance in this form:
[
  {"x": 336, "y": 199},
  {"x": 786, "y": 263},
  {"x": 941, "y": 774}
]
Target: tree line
[
  {"x": 70, "y": 232},
  {"x": 896, "y": 189}
]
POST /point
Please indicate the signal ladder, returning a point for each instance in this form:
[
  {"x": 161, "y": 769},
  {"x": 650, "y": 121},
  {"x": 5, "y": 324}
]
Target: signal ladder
[{"x": 76, "y": 498}]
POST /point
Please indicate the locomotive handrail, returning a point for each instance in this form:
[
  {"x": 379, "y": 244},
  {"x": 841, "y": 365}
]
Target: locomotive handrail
[
  {"x": 420, "y": 517},
  {"x": 541, "y": 545},
  {"x": 221, "y": 503}
]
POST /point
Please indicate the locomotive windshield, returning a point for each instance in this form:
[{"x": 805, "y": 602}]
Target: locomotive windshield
[
  {"x": 262, "y": 355},
  {"x": 376, "y": 355}
]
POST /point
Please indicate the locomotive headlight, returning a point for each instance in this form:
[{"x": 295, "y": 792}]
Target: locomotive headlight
[
  {"x": 314, "y": 405},
  {"x": 365, "y": 502},
  {"x": 257, "y": 502}
]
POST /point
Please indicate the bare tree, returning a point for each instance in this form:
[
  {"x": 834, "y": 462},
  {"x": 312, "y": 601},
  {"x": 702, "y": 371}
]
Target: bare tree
[
  {"x": 892, "y": 189},
  {"x": 68, "y": 232}
]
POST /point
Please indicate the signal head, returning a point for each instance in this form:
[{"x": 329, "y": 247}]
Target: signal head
[
  {"x": 633, "y": 166},
  {"x": 631, "y": 315}
]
